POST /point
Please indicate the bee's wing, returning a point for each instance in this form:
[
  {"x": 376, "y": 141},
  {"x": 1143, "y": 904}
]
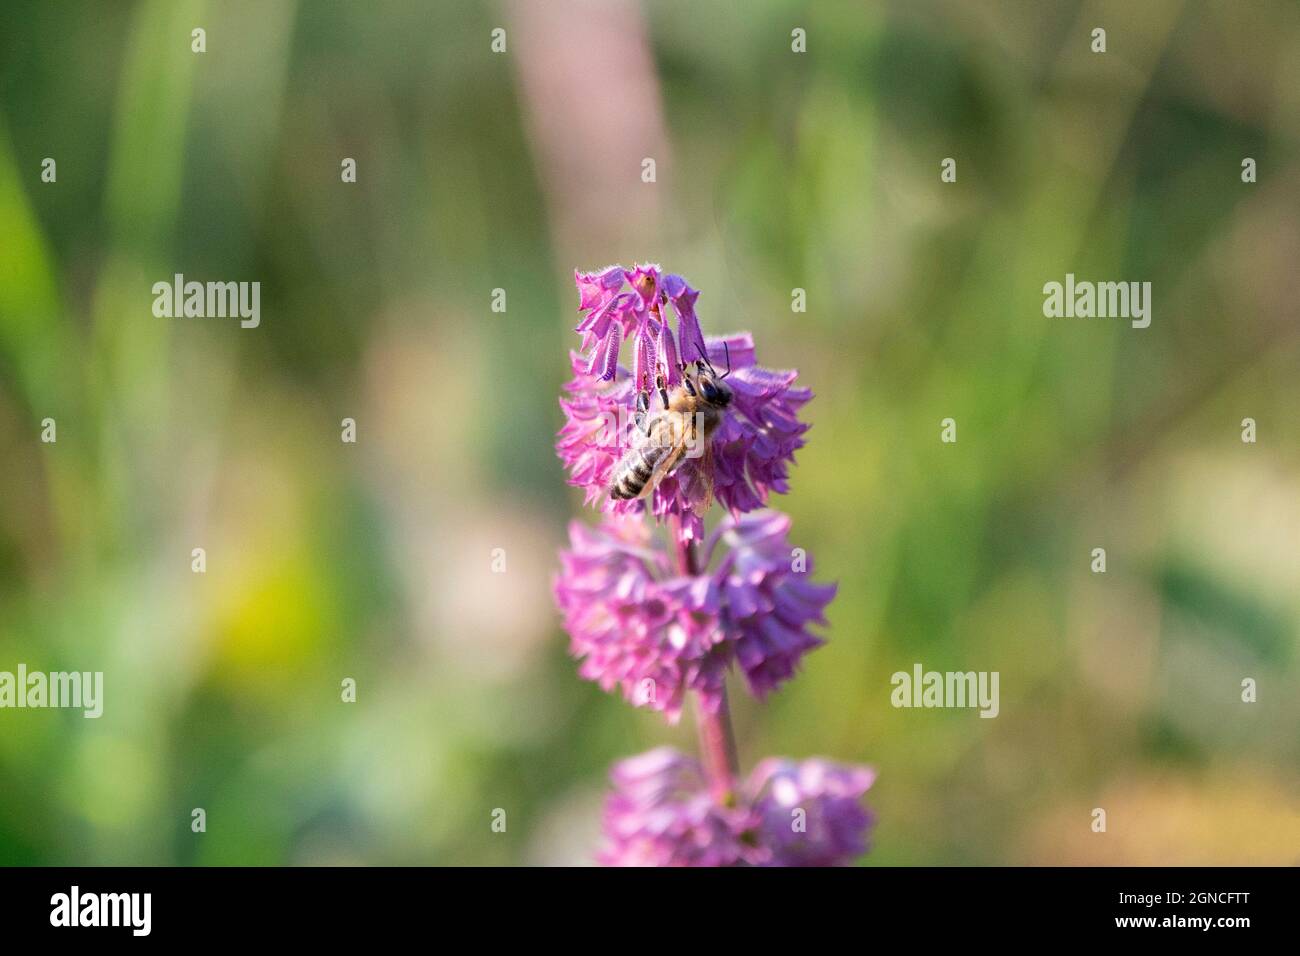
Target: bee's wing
[
  {"x": 696, "y": 475},
  {"x": 666, "y": 464},
  {"x": 700, "y": 487}
]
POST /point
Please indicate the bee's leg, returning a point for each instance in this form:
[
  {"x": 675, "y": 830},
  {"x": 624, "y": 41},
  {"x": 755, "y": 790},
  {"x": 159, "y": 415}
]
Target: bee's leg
[
  {"x": 663, "y": 389},
  {"x": 686, "y": 381}
]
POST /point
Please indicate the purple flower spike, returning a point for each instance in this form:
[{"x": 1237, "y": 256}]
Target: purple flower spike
[
  {"x": 768, "y": 597},
  {"x": 638, "y": 625},
  {"x": 634, "y": 624},
  {"x": 661, "y": 813},
  {"x": 658, "y": 620},
  {"x": 607, "y": 307},
  {"x": 812, "y": 812},
  {"x": 752, "y": 449}
]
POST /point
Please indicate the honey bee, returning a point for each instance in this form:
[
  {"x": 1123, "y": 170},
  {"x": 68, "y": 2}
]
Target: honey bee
[{"x": 691, "y": 414}]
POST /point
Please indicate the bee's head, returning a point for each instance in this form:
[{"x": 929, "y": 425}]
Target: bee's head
[
  {"x": 711, "y": 387},
  {"x": 714, "y": 392}
]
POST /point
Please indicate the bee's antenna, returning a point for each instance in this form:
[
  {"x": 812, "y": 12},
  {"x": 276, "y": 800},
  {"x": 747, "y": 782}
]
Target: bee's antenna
[{"x": 727, "y": 352}]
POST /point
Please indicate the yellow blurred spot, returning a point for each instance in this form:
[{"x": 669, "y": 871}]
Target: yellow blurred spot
[{"x": 270, "y": 618}]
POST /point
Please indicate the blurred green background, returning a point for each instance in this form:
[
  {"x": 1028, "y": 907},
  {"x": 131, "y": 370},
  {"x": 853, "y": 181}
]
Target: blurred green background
[{"x": 775, "y": 170}]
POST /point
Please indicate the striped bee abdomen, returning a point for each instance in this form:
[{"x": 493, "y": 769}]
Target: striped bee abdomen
[{"x": 632, "y": 473}]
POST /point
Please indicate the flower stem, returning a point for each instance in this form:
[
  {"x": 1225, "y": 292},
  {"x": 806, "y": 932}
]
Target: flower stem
[
  {"x": 717, "y": 740},
  {"x": 718, "y": 747}
]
